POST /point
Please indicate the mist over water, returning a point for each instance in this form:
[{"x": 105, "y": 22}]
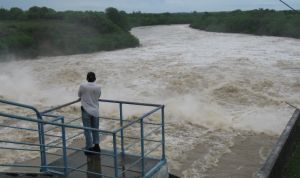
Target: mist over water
[{"x": 215, "y": 86}]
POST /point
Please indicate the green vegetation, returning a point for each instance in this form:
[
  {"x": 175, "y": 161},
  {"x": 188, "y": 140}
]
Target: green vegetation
[
  {"x": 44, "y": 32},
  {"x": 292, "y": 169},
  {"x": 258, "y": 22},
  {"x": 144, "y": 19},
  {"x": 41, "y": 31}
]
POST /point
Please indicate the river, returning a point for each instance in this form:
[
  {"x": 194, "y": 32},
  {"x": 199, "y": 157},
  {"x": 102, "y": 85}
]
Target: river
[{"x": 224, "y": 93}]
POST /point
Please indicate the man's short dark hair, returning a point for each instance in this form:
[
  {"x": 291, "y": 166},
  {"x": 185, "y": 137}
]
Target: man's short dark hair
[{"x": 91, "y": 77}]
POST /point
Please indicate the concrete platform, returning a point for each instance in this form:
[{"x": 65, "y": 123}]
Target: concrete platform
[{"x": 104, "y": 164}]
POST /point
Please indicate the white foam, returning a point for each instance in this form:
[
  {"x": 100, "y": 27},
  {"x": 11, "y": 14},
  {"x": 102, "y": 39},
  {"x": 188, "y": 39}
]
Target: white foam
[{"x": 216, "y": 80}]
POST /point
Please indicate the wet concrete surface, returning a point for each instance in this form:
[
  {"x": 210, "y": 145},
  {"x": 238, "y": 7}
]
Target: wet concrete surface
[{"x": 91, "y": 166}]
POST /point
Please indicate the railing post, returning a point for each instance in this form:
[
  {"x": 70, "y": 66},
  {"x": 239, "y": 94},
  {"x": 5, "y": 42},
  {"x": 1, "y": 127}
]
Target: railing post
[
  {"x": 115, "y": 155},
  {"x": 64, "y": 145},
  {"x": 142, "y": 147},
  {"x": 42, "y": 144},
  {"x": 163, "y": 132},
  {"x": 122, "y": 132}
]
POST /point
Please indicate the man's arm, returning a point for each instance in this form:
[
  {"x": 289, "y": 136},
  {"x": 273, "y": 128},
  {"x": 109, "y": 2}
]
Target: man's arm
[
  {"x": 79, "y": 92},
  {"x": 99, "y": 92}
]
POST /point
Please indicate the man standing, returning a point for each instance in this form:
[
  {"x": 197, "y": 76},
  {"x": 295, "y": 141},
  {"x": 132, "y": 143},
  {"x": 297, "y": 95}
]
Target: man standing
[{"x": 90, "y": 93}]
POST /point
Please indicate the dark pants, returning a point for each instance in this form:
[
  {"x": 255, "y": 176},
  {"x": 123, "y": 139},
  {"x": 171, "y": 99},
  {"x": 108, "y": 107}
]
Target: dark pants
[{"x": 91, "y": 137}]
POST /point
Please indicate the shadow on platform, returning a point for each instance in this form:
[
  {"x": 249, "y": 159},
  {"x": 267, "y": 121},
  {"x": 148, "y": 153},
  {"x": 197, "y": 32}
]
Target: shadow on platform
[{"x": 82, "y": 166}]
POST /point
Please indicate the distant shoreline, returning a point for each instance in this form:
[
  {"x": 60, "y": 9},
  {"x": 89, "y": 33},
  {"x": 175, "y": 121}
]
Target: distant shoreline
[{"x": 41, "y": 31}]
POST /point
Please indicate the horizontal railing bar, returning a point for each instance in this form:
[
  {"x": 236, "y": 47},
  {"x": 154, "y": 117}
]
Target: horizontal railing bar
[
  {"x": 104, "y": 165},
  {"x": 21, "y": 128},
  {"x": 71, "y": 127},
  {"x": 130, "y": 170},
  {"x": 109, "y": 118},
  {"x": 56, "y": 117},
  {"x": 50, "y": 135},
  {"x": 54, "y": 154},
  {"x": 79, "y": 170},
  {"x": 157, "y": 146},
  {"x": 21, "y": 105},
  {"x": 57, "y": 124},
  {"x": 75, "y": 119},
  {"x": 156, "y": 167},
  {"x": 59, "y": 107},
  {"x": 137, "y": 138},
  {"x": 23, "y": 149},
  {"x": 66, "y": 139},
  {"x": 20, "y": 143},
  {"x": 54, "y": 141},
  {"x": 126, "y": 120},
  {"x": 75, "y": 136},
  {"x": 131, "y": 165},
  {"x": 150, "y": 140},
  {"x": 151, "y": 123},
  {"x": 131, "y": 145},
  {"x": 80, "y": 166},
  {"x": 119, "y": 167},
  {"x": 64, "y": 123},
  {"x": 28, "y": 143},
  {"x": 50, "y": 115},
  {"x": 55, "y": 172},
  {"x": 139, "y": 119},
  {"x": 54, "y": 127},
  {"x": 70, "y": 148},
  {"x": 128, "y": 102},
  {"x": 98, "y": 153},
  {"x": 29, "y": 166},
  {"x": 152, "y": 131}
]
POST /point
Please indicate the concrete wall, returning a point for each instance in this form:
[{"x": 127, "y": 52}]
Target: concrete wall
[
  {"x": 162, "y": 173},
  {"x": 282, "y": 151}
]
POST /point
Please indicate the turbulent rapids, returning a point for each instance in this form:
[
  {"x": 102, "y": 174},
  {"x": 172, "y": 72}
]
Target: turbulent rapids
[{"x": 225, "y": 94}]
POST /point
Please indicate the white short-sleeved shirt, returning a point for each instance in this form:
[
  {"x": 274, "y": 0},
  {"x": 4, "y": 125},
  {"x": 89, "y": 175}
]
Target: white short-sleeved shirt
[{"x": 90, "y": 93}]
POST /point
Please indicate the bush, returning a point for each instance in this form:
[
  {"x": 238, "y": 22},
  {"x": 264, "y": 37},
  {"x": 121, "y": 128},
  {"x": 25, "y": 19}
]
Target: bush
[
  {"x": 119, "y": 18},
  {"x": 258, "y": 22},
  {"x": 44, "y": 32}
]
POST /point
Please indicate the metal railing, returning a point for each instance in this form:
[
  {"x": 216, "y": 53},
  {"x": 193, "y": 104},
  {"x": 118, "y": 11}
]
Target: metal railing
[{"x": 141, "y": 137}]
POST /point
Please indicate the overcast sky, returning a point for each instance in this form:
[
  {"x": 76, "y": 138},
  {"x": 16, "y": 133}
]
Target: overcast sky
[{"x": 152, "y": 5}]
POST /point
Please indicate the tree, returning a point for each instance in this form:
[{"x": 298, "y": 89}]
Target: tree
[
  {"x": 16, "y": 13},
  {"x": 4, "y": 14},
  {"x": 40, "y": 12},
  {"x": 117, "y": 17}
]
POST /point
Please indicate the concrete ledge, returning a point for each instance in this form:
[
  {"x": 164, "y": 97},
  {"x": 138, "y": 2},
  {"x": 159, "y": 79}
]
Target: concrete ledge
[
  {"x": 282, "y": 151},
  {"x": 161, "y": 172}
]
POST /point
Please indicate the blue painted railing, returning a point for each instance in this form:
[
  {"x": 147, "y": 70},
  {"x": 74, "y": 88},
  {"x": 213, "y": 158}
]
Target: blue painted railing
[{"x": 50, "y": 122}]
